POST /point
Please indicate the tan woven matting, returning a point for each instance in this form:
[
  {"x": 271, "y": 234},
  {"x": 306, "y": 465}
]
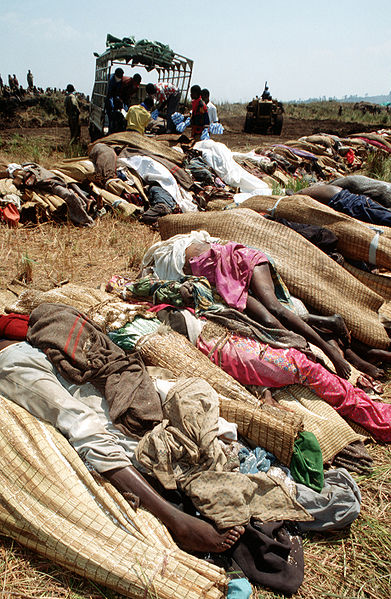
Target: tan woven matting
[
  {"x": 354, "y": 236},
  {"x": 136, "y": 141},
  {"x": 51, "y": 504},
  {"x": 331, "y": 430},
  {"x": 268, "y": 427},
  {"x": 378, "y": 283},
  {"x": 310, "y": 275},
  {"x": 81, "y": 169}
]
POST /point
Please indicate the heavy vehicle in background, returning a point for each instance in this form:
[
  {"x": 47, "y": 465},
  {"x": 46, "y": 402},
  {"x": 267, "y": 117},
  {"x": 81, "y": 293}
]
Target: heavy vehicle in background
[
  {"x": 264, "y": 115},
  {"x": 151, "y": 56}
]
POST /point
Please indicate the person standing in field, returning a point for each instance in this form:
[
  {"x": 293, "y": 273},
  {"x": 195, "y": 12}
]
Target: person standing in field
[
  {"x": 73, "y": 113},
  {"x": 30, "y": 80},
  {"x": 212, "y": 111}
]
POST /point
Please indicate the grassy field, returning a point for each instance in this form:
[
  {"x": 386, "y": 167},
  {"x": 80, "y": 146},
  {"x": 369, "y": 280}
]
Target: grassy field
[{"x": 352, "y": 564}]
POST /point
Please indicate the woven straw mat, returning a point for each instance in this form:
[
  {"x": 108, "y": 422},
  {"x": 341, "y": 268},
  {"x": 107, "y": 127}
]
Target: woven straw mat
[
  {"x": 354, "y": 236},
  {"x": 266, "y": 426},
  {"x": 310, "y": 275},
  {"x": 51, "y": 504},
  {"x": 331, "y": 430}
]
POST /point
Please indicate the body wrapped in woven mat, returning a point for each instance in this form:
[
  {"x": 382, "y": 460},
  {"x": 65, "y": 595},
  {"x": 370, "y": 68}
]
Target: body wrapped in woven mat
[{"x": 309, "y": 274}]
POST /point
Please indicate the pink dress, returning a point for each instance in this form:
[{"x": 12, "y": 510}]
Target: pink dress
[
  {"x": 253, "y": 363},
  {"x": 229, "y": 268}
]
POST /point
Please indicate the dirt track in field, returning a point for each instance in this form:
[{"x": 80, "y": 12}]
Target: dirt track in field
[{"x": 233, "y": 137}]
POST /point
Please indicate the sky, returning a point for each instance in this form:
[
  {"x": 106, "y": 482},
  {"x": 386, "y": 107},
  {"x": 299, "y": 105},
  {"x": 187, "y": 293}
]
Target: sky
[{"x": 304, "y": 49}]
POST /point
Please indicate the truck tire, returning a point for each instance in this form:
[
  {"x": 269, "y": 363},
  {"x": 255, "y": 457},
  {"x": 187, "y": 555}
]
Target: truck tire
[
  {"x": 247, "y": 126},
  {"x": 277, "y": 126}
]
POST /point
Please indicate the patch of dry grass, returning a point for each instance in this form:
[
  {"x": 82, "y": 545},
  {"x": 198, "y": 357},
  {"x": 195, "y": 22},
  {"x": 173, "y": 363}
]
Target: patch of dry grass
[{"x": 55, "y": 253}]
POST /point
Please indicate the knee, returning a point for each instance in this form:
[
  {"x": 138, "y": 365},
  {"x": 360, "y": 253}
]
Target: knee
[
  {"x": 269, "y": 320},
  {"x": 275, "y": 308}
]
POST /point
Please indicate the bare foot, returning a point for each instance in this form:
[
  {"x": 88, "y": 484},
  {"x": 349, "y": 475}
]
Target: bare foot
[
  {"x": 364, "y": 366},
  {"x": 341, "y": 366},
  {"x": 269, "y": 400},
  {"x": 380, "y": 355},
  {"x": 193, "y": 534}
]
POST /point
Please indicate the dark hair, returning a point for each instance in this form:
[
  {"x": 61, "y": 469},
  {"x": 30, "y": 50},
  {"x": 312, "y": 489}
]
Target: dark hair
[
  {"x": 195, "y": 91},
  {"x": 70, "y": 88},
  {"x": 119, "y": 72},
  {"x": 137, "y": 78},
  {"x": 150, "y": 89},
  {"x": 205, "y": 93},
  {"x": 148, "y": 102}
]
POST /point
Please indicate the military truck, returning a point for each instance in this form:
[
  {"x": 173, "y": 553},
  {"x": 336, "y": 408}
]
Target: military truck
[
  {"x": 150, "y": 56},
  {"x": 264, "y": 115}
]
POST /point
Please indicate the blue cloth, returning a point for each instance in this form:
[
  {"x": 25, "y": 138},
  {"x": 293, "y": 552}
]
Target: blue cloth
[
  {"x": 216, "y": 129},
  {"x": 205, "y": 134},
  {"x": 255, "y": 460},
  {"x": 177, "y": 118},
  {"x": 158, "y": 195},
  {"x": 239, "y": 588},
  {"x": 361, "y": 207}
]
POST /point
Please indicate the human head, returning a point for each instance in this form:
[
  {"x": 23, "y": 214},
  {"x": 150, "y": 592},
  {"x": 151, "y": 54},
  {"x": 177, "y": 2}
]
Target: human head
[
  {"x": 70, "y": 88},
  {"x": 148, "y": 103},
  {"x": 205, "y": 95},
  {"x": 119, "y": 73},
  {"x": 137, "y": 78},
  {"x": 195, "y": 92},
  {"x": 150, "y": 89}
]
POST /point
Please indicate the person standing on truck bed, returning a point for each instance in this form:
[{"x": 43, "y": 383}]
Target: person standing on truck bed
[
  {"x": 129, "y": 88},
  {"x": 73, "y": 113},
  {"x": 167, "y": 95},
  {"x": 113, "y": 91}
]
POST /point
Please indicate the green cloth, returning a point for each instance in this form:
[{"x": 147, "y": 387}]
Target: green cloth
[
  {"x": 128, "y": 335},
  {"x": 169, "y": 292},
  {"x": 307, "y": 462}
]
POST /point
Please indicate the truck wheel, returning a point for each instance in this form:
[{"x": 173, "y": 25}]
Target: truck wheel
[
  {"x": 277, "y": 126},
  {"x": 247, "y": 126}
]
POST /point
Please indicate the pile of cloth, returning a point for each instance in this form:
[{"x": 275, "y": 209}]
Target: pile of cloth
[
  {"x": 146, "y": 177},
  {"x": 203, "y": 438},
  {"x": 312, "y": 158},
  {"x": 199, "y": 440}
]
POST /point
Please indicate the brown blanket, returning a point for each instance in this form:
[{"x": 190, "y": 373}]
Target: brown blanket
[
  {"x": 82, "y": 353},
  {"x": 138, "y": 142}
]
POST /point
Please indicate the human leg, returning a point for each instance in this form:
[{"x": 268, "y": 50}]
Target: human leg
[
  {"x": 263, "y": 289},
  {"x": 334, "y": 324},
  {"x": 350, "y": 402},
  {"x": 191, "y": 533},
  {"x": 29, "y": 379}
]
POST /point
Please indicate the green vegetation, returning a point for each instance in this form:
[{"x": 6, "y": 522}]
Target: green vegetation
[
  {"x": 331, "y": 110},
  {"x": 378, "y": 166},
  {"x": 27, "y": 148}
]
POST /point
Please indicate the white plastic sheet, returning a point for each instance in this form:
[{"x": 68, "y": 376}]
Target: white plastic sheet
[
  {"x": 220, "y": 159},
  {"x": 152, "y": 171}
]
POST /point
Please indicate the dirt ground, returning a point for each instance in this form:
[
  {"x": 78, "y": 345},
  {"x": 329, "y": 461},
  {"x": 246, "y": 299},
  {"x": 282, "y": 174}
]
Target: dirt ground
[{"x": 233, "y": 137}]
